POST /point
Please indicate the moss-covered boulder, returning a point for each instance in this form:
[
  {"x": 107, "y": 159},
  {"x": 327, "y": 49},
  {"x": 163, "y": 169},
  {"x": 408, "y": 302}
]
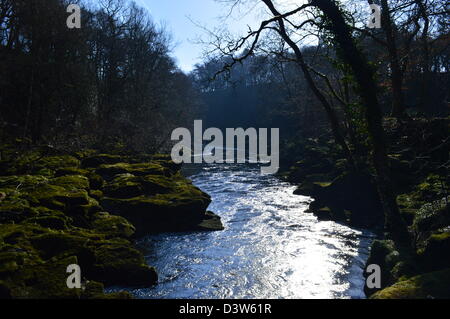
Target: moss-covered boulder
[
  {"x": 431, "y": 217},
  {"x": 431, "y": 189},
  {"x": 99, "y": 159},
  {"x": 112, "y": 226},
  {"x": 56, "y": 211},
  {"x": 425, "y": 286},
  {"x": 435, "y": 253},
  {"x": 123, "y": 186},
  {"x": 155, "y": 203},
  {"x": 109, "y": 171},
  {"x": 395, "y": 263},
  {"x": 110, "y": 260},
  {"x": 162, "y": 212},
  {"x": 118, "y": 263}
]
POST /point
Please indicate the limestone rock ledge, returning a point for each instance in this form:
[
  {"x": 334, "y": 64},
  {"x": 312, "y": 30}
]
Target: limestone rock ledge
[{"x": 87, "y": 209}]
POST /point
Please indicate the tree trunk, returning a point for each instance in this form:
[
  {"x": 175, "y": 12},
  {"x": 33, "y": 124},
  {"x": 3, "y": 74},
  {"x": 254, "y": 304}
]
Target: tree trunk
[
  {"x": 364, "y": 76},
  {"x": 396, "y": 74}
]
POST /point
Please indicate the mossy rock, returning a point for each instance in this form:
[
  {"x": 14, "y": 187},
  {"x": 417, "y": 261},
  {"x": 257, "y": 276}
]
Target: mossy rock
[
  {"x": 48, "y": 281},
  {"x": 96, "y": 194},
  {"x": 71, "y": 171},
  {"x": 95, "y": 180},
  {"x": 71, "y": 182},
  {"x": 33, "y": 162},
  {"x": 62, "y": 244},
  {"x": 85, "y": 153},
  {"x": 113, "y": 261},
  {"x": 128, "y": 185},
  {"x": 384, "y": 254},
  {"x": 112, "y": 226},
  {"x": 212, "y": 222},
  {"x": 117, "y": 264},
  {"x": 99, "y": 159},
  {"x": 432, "y": 216},
  {"x": 95, "y": 290},
  {"x": 159, "y": 213},
  {"x": 123, "y": 186},
  {"x": 53, "y": 222},
  {"x": 436, "y": 251},
  {"x": 425, "y": 286},
  {"x": 395, "y": 263},
  {"x": 14, "y": 209},
  {"x": 57, "y": 162},
  {"x": 181, "y": 209},
  {"x": 22, "y": 182},
  {"x": 324, "y": 213},
  {"x": 44, "y": 280},
  {"x": 157, "y": 184},
  {"x": 57, "y": 197},
  {"x": 140, "y": 169}
]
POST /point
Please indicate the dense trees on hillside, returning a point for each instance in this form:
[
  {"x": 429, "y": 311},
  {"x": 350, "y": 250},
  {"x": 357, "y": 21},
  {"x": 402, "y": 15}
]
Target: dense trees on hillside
[{"x": 110, "y": 81}]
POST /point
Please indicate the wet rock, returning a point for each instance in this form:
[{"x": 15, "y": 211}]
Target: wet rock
[
  {"x": 426, "y": 286},
  {"x": 210, "y": 222}
]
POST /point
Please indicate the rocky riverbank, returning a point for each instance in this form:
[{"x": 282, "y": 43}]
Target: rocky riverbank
[
  {"x": 86, "y": 208},
  {"x": 419, "y": 160}
]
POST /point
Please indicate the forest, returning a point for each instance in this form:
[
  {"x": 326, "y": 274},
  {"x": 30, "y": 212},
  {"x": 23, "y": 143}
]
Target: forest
[{"x": 85, "y": 138}]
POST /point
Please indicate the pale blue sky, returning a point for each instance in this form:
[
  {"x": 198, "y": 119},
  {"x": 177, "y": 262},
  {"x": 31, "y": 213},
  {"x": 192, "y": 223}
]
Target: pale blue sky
[{"x": 176, "y": 15}]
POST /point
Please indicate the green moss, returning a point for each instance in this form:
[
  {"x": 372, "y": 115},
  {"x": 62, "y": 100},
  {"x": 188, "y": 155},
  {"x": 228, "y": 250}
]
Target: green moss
[
  {"x": 123, "y": 186},
  {"x": 48, "y": 281},
  {"x": 53, "y": 222},
  {"x": 100, "y": 159},
  {"x": 71, "y": 182},
  {"x": 52, "y": 218},
  {"x": 97, "y": 194},
  {"x": 85, "y": 153},
  {"x": 179, "y": 210},
  {"x": 432, "y": 216},
  {"x": 57, "y": 197},
  {"x": 71, "y": 171},
  {"x": 57, "y": 162},
  {"x": 95, "y": 180},
  {"x": 434, "y": 253},
  {"x": 140, "y": 169},
  {"x": 116, "y": 263},
  {"x": 14, "y": 208},
  {"x": 157, "y": 184},
  {"x": 22, "y": 182},
  {"x": 429, "y": 285},
  {"x": 113, "y": 226}
]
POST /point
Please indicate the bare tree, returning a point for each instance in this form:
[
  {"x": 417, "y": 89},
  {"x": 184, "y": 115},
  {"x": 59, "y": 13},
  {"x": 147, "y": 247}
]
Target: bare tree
[{"x": 362, "y": 72}]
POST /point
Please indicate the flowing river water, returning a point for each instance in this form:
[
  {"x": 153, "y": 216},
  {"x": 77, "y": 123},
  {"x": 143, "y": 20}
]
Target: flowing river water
[{"x": 270, "y": 248}]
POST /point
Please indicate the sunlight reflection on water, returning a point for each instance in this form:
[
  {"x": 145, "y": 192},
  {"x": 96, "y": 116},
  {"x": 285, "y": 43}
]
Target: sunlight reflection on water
[{"x": 270, "y": 248}]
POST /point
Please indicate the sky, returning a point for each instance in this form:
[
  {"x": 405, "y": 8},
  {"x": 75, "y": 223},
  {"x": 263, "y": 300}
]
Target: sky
[{"x": 185, "y": 20}]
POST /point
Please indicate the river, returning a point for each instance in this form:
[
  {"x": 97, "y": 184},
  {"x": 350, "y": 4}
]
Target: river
[{"x": 270, "y": 248}]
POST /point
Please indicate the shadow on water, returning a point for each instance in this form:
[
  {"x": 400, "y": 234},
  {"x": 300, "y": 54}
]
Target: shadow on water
[{"x": 270, "y": 248}]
